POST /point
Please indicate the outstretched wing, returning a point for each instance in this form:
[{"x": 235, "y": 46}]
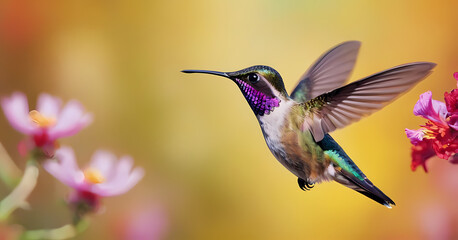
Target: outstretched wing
[
  {"x": 350, "y": 103},
  {"x": 329, "y": 72}
]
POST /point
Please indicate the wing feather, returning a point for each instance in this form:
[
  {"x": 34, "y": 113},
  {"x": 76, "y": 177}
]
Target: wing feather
[
  {"x": 329, "y": 72},
  {"x": 347, "y": 104}
]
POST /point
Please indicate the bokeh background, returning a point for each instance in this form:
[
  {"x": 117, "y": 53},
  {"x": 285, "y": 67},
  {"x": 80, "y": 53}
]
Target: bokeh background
[{"x": 209, "y": 173}]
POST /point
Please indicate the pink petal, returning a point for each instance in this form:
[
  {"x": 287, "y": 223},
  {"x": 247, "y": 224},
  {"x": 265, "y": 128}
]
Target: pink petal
[
  {"x": 66, "y": 155},
  {"x": 415, "y": 136},
  {"x": 123, "y": 168},
  {"x": 65, "y": 168},
  {"x": 428, "y": 108},
  {"x": 120, "y": 172},
  {"x": 104, "y": 161},
  {"x": 48, "y": 105},
  {"x": 112, "y": 190},
  {"x": 135, "y": 176},
  {"x": 71, "y": 120},
  {"x": 16, "y": 110}
]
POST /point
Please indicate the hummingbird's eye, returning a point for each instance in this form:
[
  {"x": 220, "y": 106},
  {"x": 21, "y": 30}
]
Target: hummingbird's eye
[{"x": 253, "y": 77}]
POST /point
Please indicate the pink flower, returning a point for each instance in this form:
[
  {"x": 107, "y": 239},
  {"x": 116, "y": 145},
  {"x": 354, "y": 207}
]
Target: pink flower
[
  {"x": 47, "y": 123},
  {"x": 103, "y": 177},
  {"x": 439, "y": 136}
]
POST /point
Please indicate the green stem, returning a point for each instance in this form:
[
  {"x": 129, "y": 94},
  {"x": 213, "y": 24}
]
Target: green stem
[
  {"x": 17, "y": 198},
  {"x": 9, "y": 172},
  {"x": 64, "y": 232}
]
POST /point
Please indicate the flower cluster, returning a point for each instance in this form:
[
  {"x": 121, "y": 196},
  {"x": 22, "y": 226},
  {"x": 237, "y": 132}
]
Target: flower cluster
[
  {"x": 105, "y": 176},
  {"x": 438, "y": 137}
]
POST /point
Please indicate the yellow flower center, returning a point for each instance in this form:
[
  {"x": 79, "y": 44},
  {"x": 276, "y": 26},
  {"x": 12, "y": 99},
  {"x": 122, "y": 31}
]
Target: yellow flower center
[
  {"x": 41, "y": 120},
  {"x": 93, "y": 176}
]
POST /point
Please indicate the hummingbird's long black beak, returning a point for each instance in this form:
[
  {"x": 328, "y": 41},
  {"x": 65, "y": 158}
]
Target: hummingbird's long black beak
[{"x": 222, "y": 74}]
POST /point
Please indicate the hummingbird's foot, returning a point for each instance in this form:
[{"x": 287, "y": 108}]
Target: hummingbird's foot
[{"x": 304, "y": 184}]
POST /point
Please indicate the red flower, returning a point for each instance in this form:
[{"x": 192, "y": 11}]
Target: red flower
[
  {"x": 451, "y": 101},
  {"x": 439, "y": 135}
]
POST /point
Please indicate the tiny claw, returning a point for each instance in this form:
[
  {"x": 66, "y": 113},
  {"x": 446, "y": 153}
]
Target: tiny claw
[
  {"x": 310, "y": 185},
  {"x": 302, "y": 184},
  {"x": 305, "y": 185}
]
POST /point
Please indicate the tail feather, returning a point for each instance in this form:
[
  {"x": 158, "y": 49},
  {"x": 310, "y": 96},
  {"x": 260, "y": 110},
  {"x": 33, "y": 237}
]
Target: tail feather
[
  {"x": 348, "y": 174},
  {"x": 364, "y": 187}
]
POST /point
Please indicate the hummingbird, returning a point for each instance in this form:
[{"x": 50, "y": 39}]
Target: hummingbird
[{"x": 296, "y": 127}]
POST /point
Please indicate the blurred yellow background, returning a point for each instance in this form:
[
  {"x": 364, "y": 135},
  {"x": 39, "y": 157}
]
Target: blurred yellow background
[{"x": 207, "y": 166}]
